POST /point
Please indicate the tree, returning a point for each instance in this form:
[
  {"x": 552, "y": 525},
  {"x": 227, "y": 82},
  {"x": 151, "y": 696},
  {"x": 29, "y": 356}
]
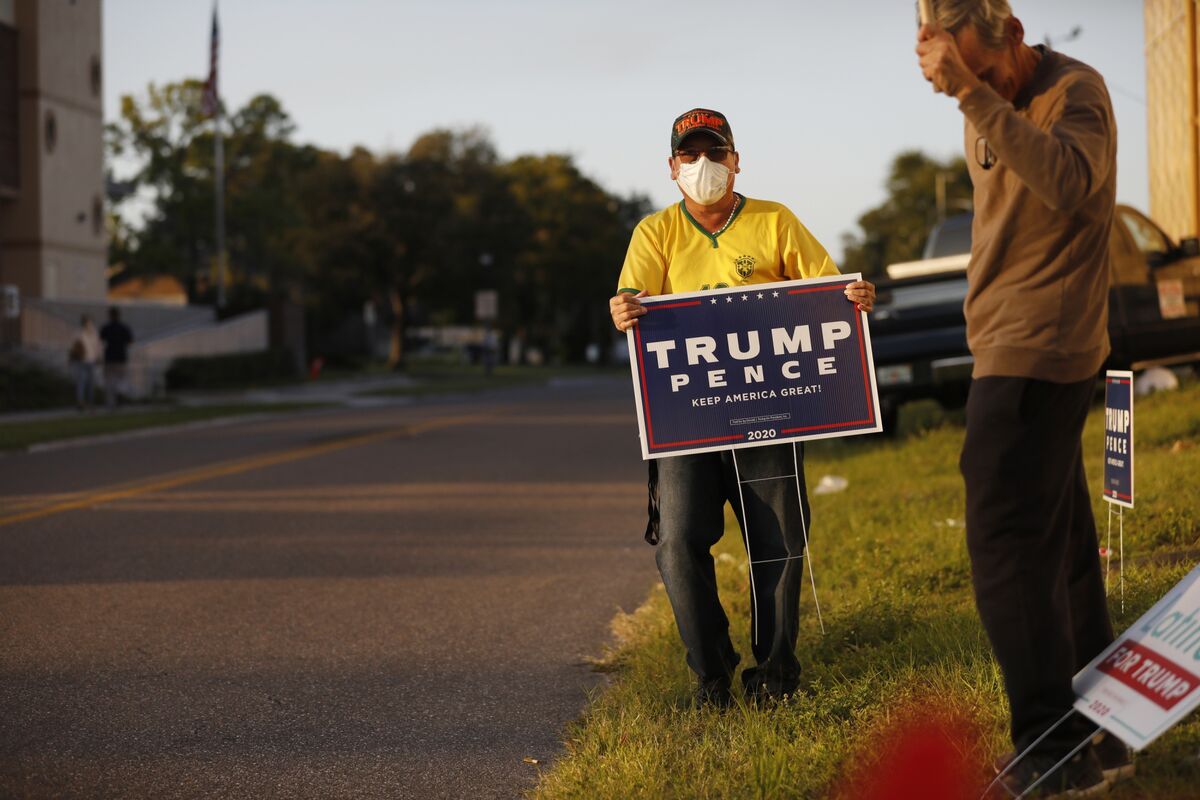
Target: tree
[
  {"x": 164, "y": 136},
  {"x": 578, "y": 234},
  {"x": 169, "y": 143},
  {"x": 264, "y": 218},
  {"x": 417, "y": 234},
  {"x": 336, "y": 242},
  {"x": 444, "y": 212},
  {"x": 896, "y": 230}
]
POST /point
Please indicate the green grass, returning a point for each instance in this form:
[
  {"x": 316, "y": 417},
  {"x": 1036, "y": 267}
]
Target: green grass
[
  {"x": 902, "y": 635},
  {"x": 437, "y": 379},
  {"x": 19, "y": 435}
]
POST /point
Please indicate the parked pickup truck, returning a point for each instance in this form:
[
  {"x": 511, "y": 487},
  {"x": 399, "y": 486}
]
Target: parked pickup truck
[{"x": 919, "y": 336}]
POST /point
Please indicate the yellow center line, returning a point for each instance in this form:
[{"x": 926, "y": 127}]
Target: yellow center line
[{"x": 234, "y": 467}]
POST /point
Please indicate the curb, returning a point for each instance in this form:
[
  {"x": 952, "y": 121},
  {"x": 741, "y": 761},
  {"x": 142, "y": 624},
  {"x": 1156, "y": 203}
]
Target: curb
[{"x": 142, "y": 433}]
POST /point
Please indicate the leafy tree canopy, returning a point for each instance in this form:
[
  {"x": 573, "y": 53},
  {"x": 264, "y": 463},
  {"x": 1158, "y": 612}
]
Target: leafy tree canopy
[{"x": 896, "y": 230}]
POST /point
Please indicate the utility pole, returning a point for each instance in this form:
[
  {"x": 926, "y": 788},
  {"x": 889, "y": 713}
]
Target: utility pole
[{"x": 940, "y": 195}]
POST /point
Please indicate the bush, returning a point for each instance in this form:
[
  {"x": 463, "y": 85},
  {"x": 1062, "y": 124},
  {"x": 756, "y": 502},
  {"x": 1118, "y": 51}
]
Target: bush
[
  {"x": 26, "y": 386},
  {"x": 234, "y": 369}
]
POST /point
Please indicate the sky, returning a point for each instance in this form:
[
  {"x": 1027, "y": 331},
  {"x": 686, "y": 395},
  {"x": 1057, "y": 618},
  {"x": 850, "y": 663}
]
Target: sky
[{"x": 821, "y": 96}]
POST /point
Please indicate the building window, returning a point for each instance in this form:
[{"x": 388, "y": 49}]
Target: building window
[
  {"x": 96, "y": 76},
  {"x": 9, "y": 162},
  {"x": 97, "y": 215},
  {"x": 51, "y": 131}
]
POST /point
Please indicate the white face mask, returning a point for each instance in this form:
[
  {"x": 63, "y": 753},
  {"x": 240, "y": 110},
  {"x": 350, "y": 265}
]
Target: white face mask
[{"x": 704, "y": 181}]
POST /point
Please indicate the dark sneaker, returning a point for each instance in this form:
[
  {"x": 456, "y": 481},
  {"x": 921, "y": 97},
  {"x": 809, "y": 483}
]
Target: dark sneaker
[
  {"x": 713, "y": 694},
  {"x": 1116, "y": 759},
  {"x": 759, "y": 693},
  {"x": 1080, "y": 777},
  {"x": 760, "y": 696}
]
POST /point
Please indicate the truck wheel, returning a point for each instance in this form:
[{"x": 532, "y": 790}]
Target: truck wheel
[{"x": 889, "y": 415}]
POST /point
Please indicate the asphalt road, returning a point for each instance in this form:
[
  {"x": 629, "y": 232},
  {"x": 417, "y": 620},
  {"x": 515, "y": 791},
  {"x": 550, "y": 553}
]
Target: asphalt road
[{"x": 387, "y": 603}]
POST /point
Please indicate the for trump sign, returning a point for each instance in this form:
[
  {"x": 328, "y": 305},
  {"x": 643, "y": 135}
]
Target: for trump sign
[
  {"x": 752, "y": 365},
  {"x": 1149, "y": 678}
]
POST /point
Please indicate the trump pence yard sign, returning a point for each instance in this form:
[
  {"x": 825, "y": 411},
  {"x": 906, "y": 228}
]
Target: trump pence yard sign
[
  {"x": 1118, "y": 437},
  {"x": 752, "y": 365}
]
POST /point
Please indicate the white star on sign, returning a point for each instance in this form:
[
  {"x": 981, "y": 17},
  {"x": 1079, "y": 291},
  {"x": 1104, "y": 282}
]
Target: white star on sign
[
  {"x": 760, "y": 295},
  {"x": 728, "y": 299},
  {"x": 774, "y": 294},
  {"x": 744, "y": 297},
  {"x": 713, "y": 301}
]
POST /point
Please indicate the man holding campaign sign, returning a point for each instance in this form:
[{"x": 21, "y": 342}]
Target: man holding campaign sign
[
  {"x": 1040, "y": 144},
  {"x": 715, "y": 250}
]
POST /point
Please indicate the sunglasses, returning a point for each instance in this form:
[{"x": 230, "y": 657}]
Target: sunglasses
[{"x": 716, "y": 154}]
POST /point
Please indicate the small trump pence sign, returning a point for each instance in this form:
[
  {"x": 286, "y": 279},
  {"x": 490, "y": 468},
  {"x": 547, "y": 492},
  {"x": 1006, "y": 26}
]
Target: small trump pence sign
[{"x": 1118, "y": 437}]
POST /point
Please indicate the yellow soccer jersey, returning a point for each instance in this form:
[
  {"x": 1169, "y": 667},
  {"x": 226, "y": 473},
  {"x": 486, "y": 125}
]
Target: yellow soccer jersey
[{"x": 670, "y": 252}]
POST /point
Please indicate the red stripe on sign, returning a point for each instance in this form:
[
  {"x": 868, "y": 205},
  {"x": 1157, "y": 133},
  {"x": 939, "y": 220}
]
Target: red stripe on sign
[
  {"x": 637, "y": 334},
  {"x": 862, "y": 354},
  {"x": 841, "y": 286},
  {"x": 1158, "y": 679},
  {"x": 1118, "y": 380},
  {"x": 830, "y": 425},
  {"x": 696, "y": 441},
  {"x": 652, "y": 306}
]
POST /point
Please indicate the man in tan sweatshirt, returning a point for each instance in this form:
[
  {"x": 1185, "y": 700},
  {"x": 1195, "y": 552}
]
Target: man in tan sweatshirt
[{"x": 1040, "y": 144}]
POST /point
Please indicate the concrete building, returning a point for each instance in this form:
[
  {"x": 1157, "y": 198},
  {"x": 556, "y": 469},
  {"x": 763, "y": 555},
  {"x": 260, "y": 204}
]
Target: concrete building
[
  {"x": 1173, "y": 114},
  {"x": 53, "y": 244}
]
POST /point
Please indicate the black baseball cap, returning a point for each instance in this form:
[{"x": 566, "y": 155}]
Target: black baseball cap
[{"x": 701, "y": 120}]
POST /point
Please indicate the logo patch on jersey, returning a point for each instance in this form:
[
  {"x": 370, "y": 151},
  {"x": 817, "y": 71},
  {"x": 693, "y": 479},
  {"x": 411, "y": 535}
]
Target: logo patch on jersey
[{"x": 744, "y": 266}]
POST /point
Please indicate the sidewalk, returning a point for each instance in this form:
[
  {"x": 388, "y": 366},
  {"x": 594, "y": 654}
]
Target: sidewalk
[
  {"x": 338, "y": 393},
  {"x": 345, "y": 392}
]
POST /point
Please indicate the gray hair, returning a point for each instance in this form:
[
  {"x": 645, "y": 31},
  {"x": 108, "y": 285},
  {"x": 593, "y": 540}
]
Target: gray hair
[{"x": 988, "y": 17}]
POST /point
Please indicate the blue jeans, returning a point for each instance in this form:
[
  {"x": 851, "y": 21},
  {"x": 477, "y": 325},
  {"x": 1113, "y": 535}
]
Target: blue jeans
[
  {"x": 85, "y": 383},
  {"x": 692, "y": 491}
]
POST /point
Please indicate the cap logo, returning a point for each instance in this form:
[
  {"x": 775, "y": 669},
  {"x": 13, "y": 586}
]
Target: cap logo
[{"x": 698, "y": 120}]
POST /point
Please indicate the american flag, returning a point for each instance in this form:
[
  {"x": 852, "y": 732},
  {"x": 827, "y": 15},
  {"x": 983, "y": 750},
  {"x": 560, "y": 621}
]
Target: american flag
[{"x": 211, "y": 102}]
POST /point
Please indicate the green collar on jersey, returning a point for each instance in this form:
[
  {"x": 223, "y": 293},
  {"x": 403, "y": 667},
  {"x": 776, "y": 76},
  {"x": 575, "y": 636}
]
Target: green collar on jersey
[{"x": 741, "y": 203}]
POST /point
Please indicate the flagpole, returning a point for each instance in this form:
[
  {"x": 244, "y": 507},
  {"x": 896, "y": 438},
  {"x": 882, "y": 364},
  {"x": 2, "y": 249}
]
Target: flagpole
[
  {"x": 219, "y": 184},
  {"x": 212, "y": 106}
]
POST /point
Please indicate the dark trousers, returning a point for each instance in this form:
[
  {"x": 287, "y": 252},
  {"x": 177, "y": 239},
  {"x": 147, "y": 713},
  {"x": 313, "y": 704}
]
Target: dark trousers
[
  {"x": 692, "y": 491},
  {"x": 1031, "y": 536}
]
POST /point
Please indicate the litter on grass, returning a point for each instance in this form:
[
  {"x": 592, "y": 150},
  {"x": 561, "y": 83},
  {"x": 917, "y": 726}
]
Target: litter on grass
[{"x": 831, "y": 484}]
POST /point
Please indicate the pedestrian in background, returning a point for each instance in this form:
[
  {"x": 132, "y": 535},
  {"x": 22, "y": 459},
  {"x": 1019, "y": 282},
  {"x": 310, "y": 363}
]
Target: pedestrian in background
[
  {"x": 84, "y": 356},
  {"x": 117, "y": 337}
]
